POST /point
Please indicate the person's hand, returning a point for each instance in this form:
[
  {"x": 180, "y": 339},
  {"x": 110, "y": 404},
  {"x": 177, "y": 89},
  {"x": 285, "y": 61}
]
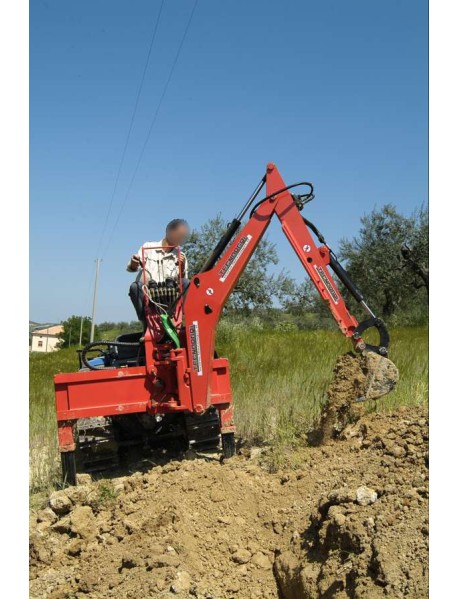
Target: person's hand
[
  {"x": 181, "y": 263},
  {"x": 135, "y": 261}
]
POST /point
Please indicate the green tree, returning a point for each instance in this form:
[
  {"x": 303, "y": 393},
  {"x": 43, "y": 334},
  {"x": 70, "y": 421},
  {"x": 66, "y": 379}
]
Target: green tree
[
  {"x": 256, "y": 288},
  {"x": 414, "y": 253},
  {"x": 374, "y": 259},
  {"x": 115, "y": 328},
  {"x": 297, "y": 297},
  {"x": 71, "y": 334},
  {"x": 107, "y": 326}
]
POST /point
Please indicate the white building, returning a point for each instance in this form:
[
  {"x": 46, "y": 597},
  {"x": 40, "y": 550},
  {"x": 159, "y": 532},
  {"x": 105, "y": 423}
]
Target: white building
[{"x": 46, "y": 340}]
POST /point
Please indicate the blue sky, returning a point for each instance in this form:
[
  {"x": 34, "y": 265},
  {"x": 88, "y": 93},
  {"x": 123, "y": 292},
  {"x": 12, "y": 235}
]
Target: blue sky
[{"x": 332, "y": 92}]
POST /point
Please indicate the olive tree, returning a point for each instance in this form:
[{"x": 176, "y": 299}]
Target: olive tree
[{"x": 388, "y": 259}]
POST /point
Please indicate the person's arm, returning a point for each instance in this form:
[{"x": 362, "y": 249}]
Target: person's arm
[
  {"x": 135, "y": 262},
  {"x": 183, "y": 266}
]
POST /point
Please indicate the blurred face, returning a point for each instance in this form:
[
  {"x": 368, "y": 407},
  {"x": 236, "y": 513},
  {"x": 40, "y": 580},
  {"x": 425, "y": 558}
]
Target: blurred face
[{"x": 178, "y": 236}]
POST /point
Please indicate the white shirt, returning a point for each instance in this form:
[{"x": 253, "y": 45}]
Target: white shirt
[{"x": 161, "y": 263}]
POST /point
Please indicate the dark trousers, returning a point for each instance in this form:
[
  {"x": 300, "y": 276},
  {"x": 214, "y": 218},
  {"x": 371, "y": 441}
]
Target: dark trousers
[{"x": 136, "y": 297}]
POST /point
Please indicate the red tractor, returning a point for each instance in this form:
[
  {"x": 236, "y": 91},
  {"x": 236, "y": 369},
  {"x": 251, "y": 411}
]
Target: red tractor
[{"x": 168, "y": 382}]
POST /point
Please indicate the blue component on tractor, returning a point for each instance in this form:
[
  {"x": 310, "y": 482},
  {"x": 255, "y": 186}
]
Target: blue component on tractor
[{"x": 97, "y": 362}]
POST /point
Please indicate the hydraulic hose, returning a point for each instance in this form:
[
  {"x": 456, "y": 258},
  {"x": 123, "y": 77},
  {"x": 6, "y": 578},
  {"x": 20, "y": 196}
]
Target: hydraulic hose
[
  {"x": 95, "y": 344},
  {"x": 309, "y": 195}
]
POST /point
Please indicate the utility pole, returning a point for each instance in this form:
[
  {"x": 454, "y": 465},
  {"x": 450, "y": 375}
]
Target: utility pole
[
  {"x": 94, "y": 301},
  {"x": 81, "y": 331}
]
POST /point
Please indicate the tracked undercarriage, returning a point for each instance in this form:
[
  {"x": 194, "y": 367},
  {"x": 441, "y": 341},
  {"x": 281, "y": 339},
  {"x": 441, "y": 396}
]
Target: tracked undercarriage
[{"x": 102, "y": 441}]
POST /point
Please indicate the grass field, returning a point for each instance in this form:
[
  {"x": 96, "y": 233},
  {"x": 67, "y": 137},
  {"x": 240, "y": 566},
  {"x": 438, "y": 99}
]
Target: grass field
[{"x": 279, "y": 382}]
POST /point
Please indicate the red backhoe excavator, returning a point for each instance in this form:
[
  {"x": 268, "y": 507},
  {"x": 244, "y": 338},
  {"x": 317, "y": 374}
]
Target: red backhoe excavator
[{"x": 168, "y": 382}]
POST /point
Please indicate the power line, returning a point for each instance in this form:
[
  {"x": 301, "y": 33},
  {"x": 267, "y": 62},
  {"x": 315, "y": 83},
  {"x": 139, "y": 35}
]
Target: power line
[
  {"x": 164, "y": 91},
  {"x": 134, "y": 113}
]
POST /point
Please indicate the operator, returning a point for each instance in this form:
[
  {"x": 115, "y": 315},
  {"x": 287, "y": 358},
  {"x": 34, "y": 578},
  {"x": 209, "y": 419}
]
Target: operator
[{"x": 166, "y": 261}]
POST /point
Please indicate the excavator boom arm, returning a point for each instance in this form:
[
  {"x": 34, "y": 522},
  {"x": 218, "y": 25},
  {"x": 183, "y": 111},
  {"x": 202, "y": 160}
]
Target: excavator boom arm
[{"x": 210, "y": 289}]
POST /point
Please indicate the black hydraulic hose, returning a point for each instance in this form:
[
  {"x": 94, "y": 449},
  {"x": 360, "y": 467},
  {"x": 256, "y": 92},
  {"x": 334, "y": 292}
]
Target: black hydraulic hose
[
  {"x": 235, "y": 224},
  {"x": 94, "y": 344},
  {"x": 272, "y": 195},
  {"x": 311, "y": 226}
]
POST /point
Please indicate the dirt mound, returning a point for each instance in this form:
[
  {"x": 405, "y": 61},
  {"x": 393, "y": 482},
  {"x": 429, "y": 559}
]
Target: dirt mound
[
  {"x": 199, "y": 528},
  {"x": 368, "y": 537}
]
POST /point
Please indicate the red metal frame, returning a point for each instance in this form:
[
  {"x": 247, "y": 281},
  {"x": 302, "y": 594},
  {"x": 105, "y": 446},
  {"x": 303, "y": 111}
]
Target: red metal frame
[{"x": 190, "y": 378}]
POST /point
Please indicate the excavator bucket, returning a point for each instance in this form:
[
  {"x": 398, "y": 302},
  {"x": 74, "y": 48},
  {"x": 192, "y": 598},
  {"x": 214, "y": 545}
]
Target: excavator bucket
[
  {"x": 377, "y": 374},
  {"x": 357, "y": 377},
  {"x": 381, "y": 376}
]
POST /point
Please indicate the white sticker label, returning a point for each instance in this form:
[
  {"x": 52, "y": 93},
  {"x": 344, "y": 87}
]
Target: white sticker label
[
  {"x": 327, "y": 283},
  {"x": 234, "y": 257},
  {"x": 195, "y": 348}
]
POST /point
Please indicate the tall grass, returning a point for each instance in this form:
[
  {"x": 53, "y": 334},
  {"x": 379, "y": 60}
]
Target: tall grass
[
  {"x": 44, "y": 458},
  {"x": 279, "y": 381}
]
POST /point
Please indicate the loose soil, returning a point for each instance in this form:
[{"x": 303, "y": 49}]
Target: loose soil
[{"x": 346, "y": 519}]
